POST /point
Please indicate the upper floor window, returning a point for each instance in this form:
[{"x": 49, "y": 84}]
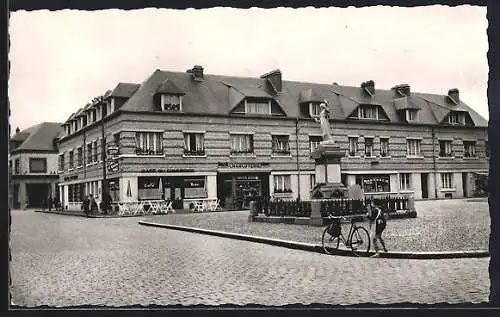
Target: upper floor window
[
  {"x": 314, "y": 141},
  {"x": 404, "y": 181},
  {"x": 149, "y": 143},
  {"x": 281, "y": 144},
  {"x": 17, "y": 166},
  {"x": 353, "y": 146},
  {"x": 413, "y": 147},
  {"x": 469, "y": 148},
  {"x": 194, "y": 144},
  {"x": 253, "y": 107},
  {"x": 447, "y": 180},
  {"x": 110, "y": 106},
  {"x": 94, "y": 151},
  {"x": 456, "y": 118},
  {"x": 241, "y": 143},
  {"x": 116, "y": 140},
  {"x": 171, "y": 103},
  {"x": 61, "y": 162},
  {"x": 445, "y": 148},
  {"x": 104, "y": 110},
  {"x": 368, "y": 147},
  {"x": 313, "y": 180},
  {"x": 384, "y": 147},
  {"x": 486, "y": 149},
  {"x": 89, "y": 153},
  {"x": 79, "y": 156},
  {"x": 314, "y": 109},
  {"x": 282, "y": 184},
  {"x": 368, "y": 112},
  {"x": 71, "y": 159},
  {"x": 412, "y": 115},
  {"x": 38, "y": 165}
]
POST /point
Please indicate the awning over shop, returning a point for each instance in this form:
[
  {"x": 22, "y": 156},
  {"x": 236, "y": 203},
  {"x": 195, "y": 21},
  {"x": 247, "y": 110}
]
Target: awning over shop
[{"x": 481, "y": 173}]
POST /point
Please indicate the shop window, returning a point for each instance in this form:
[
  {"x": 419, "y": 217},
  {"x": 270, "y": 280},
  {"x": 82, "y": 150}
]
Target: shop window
[
  {"x": 194, "y": 188},
  {"x": 404, "y": 181},
  {"x": 38, "y": 165},
  {"x": 114, "y": 189},
  {"x": 149, "y": 143},
  {"x": 353, "y": 146},
  {"x": 413, "y": 147},
  {"x": 447, "y": 180},
  {"x": 241, "y": 143},
  {"x": 281, "y": 144},
  {"x": 469, "y": 148},
  {"x": 314, "y": 142},
  {"x": 374, "y": 183},
  {"x": 445, "y": 148},
  {"x": 150, "y": 188},
  {"x": 194, "y": 144},
  {"x": 282, "y": 184},
  {"x": 384, "y": 147}
]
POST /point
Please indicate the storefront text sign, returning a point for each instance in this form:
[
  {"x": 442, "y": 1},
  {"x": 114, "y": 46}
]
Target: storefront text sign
[
  {"x": 169, "y": 170},
  {"x": 70, "y": 178},
  {"x": 242, "y": 165}
]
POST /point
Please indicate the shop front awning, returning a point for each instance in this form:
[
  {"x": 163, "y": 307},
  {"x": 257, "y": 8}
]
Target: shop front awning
[{"x": 484, "y": 174}]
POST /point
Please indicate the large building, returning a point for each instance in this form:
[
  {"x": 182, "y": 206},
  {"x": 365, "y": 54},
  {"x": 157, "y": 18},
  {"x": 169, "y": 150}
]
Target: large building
[
  {"x": 33, "y": 165},
  {"x": 192, "y": 135}
]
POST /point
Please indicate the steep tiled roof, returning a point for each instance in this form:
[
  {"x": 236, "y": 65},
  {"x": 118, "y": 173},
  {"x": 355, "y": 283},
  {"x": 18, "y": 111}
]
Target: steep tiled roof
[
  {"x": 217, "y": 94},
  {"x": 169, "y": 87},
  {"x": 123, "y": 90},
  {"x": 40, "y": 137}
]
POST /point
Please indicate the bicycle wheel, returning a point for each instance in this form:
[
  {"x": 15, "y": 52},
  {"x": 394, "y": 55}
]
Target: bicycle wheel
[
  {"x": 360, "y": 241},
  {"x": 329, "y": 242}
]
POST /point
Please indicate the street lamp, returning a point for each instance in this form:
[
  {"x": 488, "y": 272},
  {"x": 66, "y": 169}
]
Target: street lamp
[{"x": 104, "y": 201}]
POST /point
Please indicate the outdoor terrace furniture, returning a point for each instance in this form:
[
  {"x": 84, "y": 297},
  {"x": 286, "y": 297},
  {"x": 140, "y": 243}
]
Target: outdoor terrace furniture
[{"x": 206, "y": 204}]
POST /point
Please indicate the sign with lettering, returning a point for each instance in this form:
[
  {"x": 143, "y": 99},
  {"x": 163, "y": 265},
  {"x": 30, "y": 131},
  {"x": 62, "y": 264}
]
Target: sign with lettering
[
  {"x": 242, "y": 165},
  {"x": 153, "y": 170},
  {"x": 194, "y": 183},
  {"x": 112, "y": 150},
  {"x": 113, "y": 165},
  {"x": 70, "y": 178},
  {"x": 180, "y": 170}
]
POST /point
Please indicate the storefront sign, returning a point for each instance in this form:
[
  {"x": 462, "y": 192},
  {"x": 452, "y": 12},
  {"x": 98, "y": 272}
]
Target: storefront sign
[
  {"x": 70, "y": 178},
  {"x": 180, "y": 170},
  {"x": 247, "y": 177},
  {"x": 153, "y": 170},
  {"x": 242, "y": 165},
  {"x": 112, "y": 150},
  {"x": 149, "y": 185}
]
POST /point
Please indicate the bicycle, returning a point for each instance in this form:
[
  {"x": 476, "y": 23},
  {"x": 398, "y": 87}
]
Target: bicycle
[{"x": 358, "y": 238}]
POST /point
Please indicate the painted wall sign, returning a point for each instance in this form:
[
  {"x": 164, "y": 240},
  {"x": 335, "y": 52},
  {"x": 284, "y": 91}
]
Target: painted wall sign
[
  {"x": 242, "y": 165},
  {"x": 153, "y": 170},
  {"x": 180, "y": 170},
  {"x": 195, "y": 183}
]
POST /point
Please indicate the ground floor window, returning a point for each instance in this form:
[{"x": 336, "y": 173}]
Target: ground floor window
[
  {"x": 404, "y": 181},
  {"x": 149, "y": 188},
  {"x": 114, "y": 189},
  {"x": 195, "y": 188},
  {"x": 235, "y": 191},
  {"x": 282, "y": 184},
  {"x": 374, "y": 183},
  {"x": 447, "y": 180},
  {"x": 76, "y": 192}
]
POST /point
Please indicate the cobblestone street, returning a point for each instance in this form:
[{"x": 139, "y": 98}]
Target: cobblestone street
[{"x": 63, "y": 261}]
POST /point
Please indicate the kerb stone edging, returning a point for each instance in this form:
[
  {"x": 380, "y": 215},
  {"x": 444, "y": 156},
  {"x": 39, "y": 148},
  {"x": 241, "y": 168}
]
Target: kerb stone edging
[{"x": 318, "y": 248}]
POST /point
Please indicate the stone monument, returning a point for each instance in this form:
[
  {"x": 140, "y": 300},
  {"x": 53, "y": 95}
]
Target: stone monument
[{"x": 327, "y": 158}]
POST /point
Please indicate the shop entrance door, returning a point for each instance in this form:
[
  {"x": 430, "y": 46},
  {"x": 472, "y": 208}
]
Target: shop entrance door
[
  {"x": 247, "y": 190},
  {"x": 235, "y": 191}
]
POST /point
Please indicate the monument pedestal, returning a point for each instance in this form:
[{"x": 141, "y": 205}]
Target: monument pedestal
[{"x": 328, "y": 178}]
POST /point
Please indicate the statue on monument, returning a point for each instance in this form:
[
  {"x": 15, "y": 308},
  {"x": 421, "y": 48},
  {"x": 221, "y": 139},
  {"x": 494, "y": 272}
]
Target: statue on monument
[{"x": 324, "y": 120}]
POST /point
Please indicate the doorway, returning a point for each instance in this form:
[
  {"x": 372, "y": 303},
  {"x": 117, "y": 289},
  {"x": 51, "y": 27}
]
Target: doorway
[
  {"x": 37, "y": 194},
  {"x": 424, "y": 185},
  {"x": 465, "y": 187},
  {"x": 235, "y": 191}
]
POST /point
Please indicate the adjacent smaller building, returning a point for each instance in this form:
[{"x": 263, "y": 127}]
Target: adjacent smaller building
[{"x": 33, "y": 165}]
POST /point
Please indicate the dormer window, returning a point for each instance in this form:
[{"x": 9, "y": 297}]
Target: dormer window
[
  {"x": 104, "y": 110},
  {"x": 370, "y": 112},
  {"x": 456, "y": 118},
  {"x": 171, "y": 103},
  {"x": 412, "y": 115},
  {"x": 258, "y": 107},
  {"x": 110, "y": 106},
  {"x": 314, "y": 109}
]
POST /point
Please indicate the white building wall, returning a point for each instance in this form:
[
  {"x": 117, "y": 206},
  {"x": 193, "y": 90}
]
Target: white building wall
[
  {"x": 416, "y": 185},
  {"x": 124, "y": 183},
  {"x": 211, "y": 184}
]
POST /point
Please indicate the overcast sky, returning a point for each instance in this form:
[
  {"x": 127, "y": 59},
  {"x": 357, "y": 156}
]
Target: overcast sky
[{"x": 61, "y": 60}]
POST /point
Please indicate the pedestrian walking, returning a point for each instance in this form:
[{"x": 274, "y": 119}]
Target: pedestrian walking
[
  {"x": 380, "y": 224},
  {"x": 86, "y": 206},
  {"x": 50, "y": 203}
]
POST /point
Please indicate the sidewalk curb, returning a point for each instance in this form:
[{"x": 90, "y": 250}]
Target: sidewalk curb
[
  {"x": 318, "y": 249},
  {"x": 81, "y": 214}
]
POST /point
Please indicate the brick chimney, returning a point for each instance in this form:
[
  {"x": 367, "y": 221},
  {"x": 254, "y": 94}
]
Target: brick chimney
[
  {"x": 402, "y": 90},
  {"x": 454, "y": 95},
  {"x": 369, "y": 87},
  {"x": 274, "y": 77},
  {"x": 196, "y": 73}
]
